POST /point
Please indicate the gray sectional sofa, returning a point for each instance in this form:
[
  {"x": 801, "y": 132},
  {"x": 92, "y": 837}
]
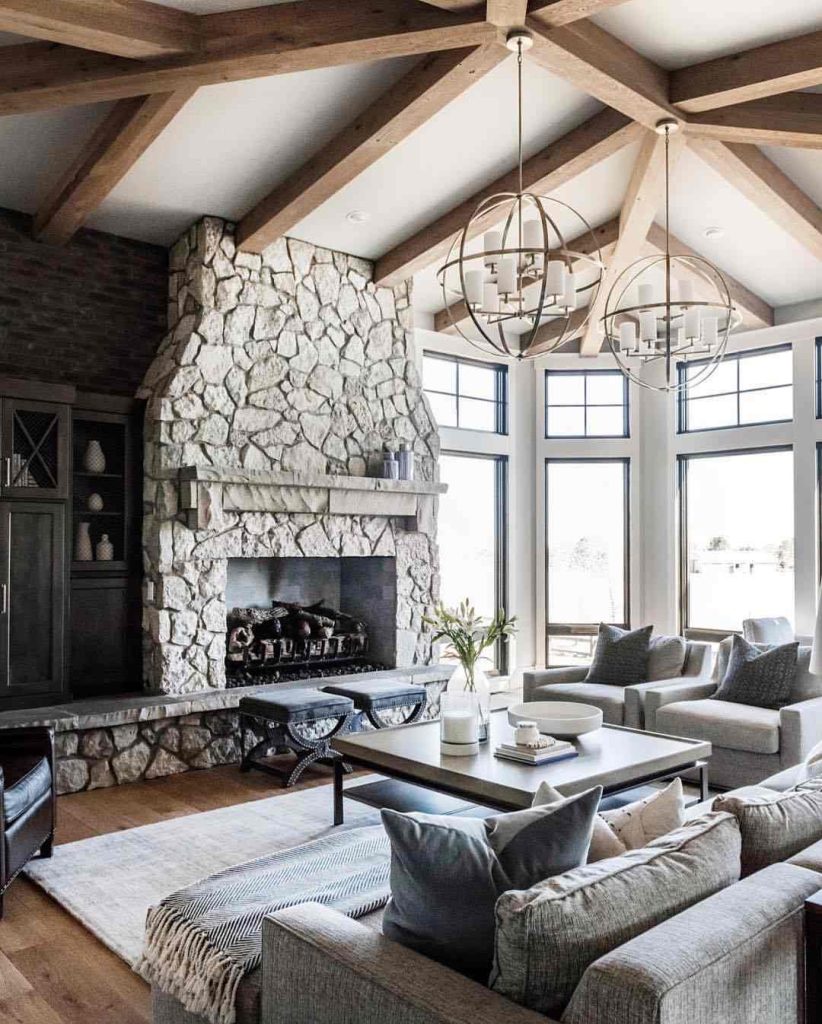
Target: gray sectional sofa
[{"x": 735, "y": 957}]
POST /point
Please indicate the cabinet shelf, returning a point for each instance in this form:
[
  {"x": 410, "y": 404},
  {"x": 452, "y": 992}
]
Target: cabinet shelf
[
  {"x": 81, "y": 513},
  {"x": 98, "y": 476}
]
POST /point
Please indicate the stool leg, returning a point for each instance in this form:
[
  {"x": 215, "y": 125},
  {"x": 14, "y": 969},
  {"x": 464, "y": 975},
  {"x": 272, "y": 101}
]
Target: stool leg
[
  {"x": 339, "y": 814},
  {"x": 245, "y": 766}
]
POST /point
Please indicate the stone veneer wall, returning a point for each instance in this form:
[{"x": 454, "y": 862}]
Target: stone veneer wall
[{"x": 292, "y": 361}]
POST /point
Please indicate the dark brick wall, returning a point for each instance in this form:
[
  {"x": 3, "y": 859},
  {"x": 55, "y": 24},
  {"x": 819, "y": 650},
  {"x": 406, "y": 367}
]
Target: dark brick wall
[{"x": 90, "y": 313}]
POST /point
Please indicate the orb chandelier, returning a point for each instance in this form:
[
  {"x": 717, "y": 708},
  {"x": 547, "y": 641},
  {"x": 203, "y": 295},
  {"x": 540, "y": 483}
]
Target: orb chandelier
[
  {"x": 653, "y": 317},
  {"x": 524, "y": 274}
]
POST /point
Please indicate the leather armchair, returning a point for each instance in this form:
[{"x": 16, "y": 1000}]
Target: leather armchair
[{"x": 27, "y": 799}]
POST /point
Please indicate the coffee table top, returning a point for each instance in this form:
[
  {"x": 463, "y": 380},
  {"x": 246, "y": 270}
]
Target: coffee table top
[{"x": 612, "y": 757}]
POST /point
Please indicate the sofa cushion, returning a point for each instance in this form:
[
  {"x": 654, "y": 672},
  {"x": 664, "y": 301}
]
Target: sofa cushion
[
  {"x": 609, "y": 699},
  {"x": 774, "y": 826},
  {"x": 26, "y": 779},
  {"x": 620, "y": 656},
  {"x": 735, "y": 726},
  {"x": 810, "y": 857},
  {"x": 760, "y": 678},
  {"x": 666, "y": 657},
  {"x": 547, "y": 936},
  {"x": 447, "y": 873}
]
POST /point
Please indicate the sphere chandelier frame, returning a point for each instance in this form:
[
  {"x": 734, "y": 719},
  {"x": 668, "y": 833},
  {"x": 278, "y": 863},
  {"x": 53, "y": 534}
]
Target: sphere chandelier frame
[{"x": 524, "y": 272}]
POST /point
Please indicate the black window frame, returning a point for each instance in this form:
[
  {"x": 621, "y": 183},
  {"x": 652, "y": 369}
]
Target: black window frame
[
  {"x": 587, "y": 628},
  {"x": 584, "y": 405},
  {"x": 737, "y": 358},
  {"x": 708, "y": 634},
  {"x": 819, "y": 378},
  {"x": 500, "y": 399},
  {"x": 501, "y": 580}
]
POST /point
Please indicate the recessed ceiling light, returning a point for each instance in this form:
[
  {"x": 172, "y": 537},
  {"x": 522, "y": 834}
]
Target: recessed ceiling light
[
  {"x": 714, "y": 232},
  {"x": 358, "y": 216}
]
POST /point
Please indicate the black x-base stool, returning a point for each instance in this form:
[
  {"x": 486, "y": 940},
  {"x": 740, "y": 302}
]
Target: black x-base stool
[
  {"x": 282, "y": 714},
  {"x": 375, "y": 696}
]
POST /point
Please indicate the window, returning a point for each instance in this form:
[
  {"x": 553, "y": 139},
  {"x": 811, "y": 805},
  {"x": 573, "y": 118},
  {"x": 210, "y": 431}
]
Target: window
[
  {"x": 819, "y": 378},
  {"x": 748, "y": 388},
  {"x": 737, "y": 523},
  {"x": 466, "y": 394},
  {"x": 589, "y": 404},
  {"x": 586, "y": 503},
  {"x": 471, "y": 530}
]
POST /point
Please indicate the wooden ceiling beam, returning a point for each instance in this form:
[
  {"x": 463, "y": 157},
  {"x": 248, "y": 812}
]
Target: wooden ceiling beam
[
  {"x": 789, "y": 119},
  {"x": 239, "y": 45},
  {"x": 115, "y": 146},
  {"x": 127, "y": 28},
  {"x": 769, "y": 188},
  {"x": 753, "y": 74},
  {"x": 635, "y": 219},
  {"x": 557, "y": 12},
  {"x": 506, "y": 13},
  {"x": 433, "y": 83},
  {"x": 583, "y": 147},
  {"x": 602, "y": 66}
]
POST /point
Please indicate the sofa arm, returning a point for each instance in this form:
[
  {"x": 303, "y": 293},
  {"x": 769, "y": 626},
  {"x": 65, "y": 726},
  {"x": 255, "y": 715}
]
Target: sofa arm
[
  {"x": 733, "y": 956},
  {"x": 541, "y": 677},
  {"x": 635, "y": 697},
  {"x": 320, "y": 967},
  {"x": 659, "y": 695},
  {"x": 800, "y": 727},
  {"x": 698, "y": 663}
]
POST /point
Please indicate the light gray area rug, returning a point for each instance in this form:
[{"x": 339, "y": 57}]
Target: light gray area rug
[{"x": 109, "y": 882}]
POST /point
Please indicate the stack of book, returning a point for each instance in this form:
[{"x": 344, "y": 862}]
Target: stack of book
[{"x": 559, "y": 750}]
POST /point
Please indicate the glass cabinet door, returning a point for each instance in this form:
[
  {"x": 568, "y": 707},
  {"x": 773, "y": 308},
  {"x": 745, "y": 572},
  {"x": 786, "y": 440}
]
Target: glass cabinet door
[{"x": 34, "y": 449}]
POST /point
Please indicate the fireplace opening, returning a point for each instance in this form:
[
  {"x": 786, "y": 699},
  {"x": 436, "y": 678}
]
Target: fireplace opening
[{"x": 296, "y": 618}]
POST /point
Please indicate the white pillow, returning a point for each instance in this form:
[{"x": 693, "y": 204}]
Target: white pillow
[{"x": 632, "y": 826}]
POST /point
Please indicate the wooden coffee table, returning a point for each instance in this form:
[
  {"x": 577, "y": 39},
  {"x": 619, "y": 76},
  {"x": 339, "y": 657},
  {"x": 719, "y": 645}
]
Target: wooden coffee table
[{"x": 613, "y": 757}]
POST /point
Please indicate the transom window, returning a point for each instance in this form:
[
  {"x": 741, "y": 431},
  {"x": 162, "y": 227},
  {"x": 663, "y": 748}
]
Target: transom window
[
  {"x": 746, "y": 388},
  {"x": 592, "y": 403},
  {"x": 466, "y": 394}
]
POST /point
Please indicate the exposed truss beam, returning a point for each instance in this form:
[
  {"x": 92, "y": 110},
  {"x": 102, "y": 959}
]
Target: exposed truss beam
[
  {"x": 790, "y": 119},
  {"x": 128, "y": 28},
  {"x": 636, "y": 216},
  {"x": 563, "y": 12},
  {"x": 604, "y": 238},
  {"x": 763, "y": 71},
  {"x": 593, "y": 141},
  {"x": 426, "y": 89},
  {"x": 547, "y": 335},
  {"x": 597, "y": 63},
  {"x": 237, "y": 45},
  {"x": 115, "y": 146},
  {"x": 773, "y": 192},
  {"x": 506, "y": 13}
]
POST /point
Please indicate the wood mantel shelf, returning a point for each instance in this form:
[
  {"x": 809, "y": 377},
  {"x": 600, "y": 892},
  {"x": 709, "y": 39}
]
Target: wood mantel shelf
[{"x": 207, "y": 492}]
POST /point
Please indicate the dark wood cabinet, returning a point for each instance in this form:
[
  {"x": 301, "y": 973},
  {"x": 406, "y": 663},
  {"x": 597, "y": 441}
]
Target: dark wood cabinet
[
  {"x": 105, "y": 641},
  {"x": 32, "y": 600},
  {"x": 34, "y": 449}
]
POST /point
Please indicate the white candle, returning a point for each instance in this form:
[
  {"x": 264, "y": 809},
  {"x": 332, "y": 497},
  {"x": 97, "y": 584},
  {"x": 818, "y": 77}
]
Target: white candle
[
  {"x": 490, "y": 298},
  {"x": 506, "y": 277},
  {"x": 627, "y": 336},
  {"x": 647, "y": 325},
  {"x": 555, "y": 277},
  {"x": 569, "y": 294},
  {"x": 710, "y": 331},
  {"x": 473, "y": 287},
  {"x": 692, "y": 324},
  {"x": 646, "y": 294},
  {"x": 491, "y": 244},
  {"x": 460, "y": 727}
]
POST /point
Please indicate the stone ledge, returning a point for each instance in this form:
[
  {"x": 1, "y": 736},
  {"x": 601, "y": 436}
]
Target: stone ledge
[{"x": 102, "y": 712}]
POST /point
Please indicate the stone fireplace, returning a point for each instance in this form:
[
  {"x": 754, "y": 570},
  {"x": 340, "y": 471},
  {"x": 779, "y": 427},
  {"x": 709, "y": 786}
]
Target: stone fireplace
[{"x": 269, "y": 402}]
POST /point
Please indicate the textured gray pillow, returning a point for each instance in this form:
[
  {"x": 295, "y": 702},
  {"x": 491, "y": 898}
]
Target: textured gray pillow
[
  {"x": 447, "y": 873},
  {"x": 547, "y": 936},
  {"x": 760, "y": 679},
  {"x": 774, "y": 826},
  {"x": 667, "y": 657},
  {"x": 620, "y": 657}
]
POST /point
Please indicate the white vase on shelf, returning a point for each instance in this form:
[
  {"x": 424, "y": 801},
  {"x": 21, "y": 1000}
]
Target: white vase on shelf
[
  {"x": 105, "y": 549},
  {"x": 95, "y": 502},
  {"x": 94, "y": 461},
  {"x": 82, "y": 545}
]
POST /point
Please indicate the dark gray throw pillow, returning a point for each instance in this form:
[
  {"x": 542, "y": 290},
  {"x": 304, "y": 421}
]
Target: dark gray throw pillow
[
  {"x": 621, "y": 656},
  {"x": 447, "y": 873},
  {"x": 761, "y": 679}
]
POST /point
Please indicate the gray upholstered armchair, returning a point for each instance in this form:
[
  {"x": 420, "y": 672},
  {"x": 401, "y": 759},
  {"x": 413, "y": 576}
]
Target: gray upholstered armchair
[
  {"x": 749, "y": 743},
  {"x": 620, "y": 705}
]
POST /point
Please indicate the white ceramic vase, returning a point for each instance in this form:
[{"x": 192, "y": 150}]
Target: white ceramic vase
[
  {"x": 95, "y": 502},
  {"x": 476, "y": 683},
  {"x": 105, "y": 549},
  {"x": 82, "y": 545},
  {"x": 94, "y": 461}
]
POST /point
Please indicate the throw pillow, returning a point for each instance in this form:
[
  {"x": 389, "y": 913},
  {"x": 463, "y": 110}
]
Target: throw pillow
[
  {"x": 667, "y": 657},
  {"x": 547, "y": 936},
  {"x": 761, "y": 679},
  {"x": 629, "y": 827},
  {"x": 620, "y": 656},
  {"x": 447, "y": 873},
  {"x": 774, "y": 826}
]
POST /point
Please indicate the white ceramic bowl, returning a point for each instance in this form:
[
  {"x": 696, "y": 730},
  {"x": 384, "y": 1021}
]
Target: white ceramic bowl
[{"x": 561, "y": 718}]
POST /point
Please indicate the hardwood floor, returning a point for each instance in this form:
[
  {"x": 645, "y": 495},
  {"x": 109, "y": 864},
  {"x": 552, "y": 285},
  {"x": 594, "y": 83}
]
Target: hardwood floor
[{"x": 53, "y": 971}]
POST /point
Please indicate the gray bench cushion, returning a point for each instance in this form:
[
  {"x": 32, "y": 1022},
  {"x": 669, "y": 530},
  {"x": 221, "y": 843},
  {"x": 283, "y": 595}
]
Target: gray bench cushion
[
  {"x": 734, "y": 726},
  {"x": 295, "y": 705},
  {"x": 609, "y": 699},
  {"x": 377, "y": 694}
]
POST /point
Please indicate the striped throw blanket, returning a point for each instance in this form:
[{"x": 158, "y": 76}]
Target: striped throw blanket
[{"x": 202, "y": 941}]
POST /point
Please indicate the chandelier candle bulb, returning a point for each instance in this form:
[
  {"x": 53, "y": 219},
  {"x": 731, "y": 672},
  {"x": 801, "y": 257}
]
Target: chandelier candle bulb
[
  {"x": 490, "y": 297},
  {"x": 568, "y": 301},
  {"x": 506, "y": 277},
  {"x": 647, "y": 325},
  {"x": 710, "y": 331},
  {"x": 627, "y": 336},
  {"x": 692, "y": 324},
  {"x": 491, "y": 245},
  {"x": 473, "y": 287},
  {"x": 532, "y": 234},
  {"x": 555, "y": 277},
  {"x": 645, "y": 295},
  {"x": 685, "y": 290}
]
